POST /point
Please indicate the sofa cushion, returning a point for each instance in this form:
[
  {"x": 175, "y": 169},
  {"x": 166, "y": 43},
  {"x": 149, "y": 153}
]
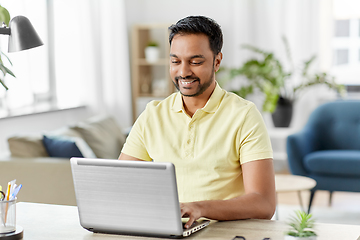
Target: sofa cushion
[
  {"x": 334, "y": 162},
  {"x": 103, "y": 135},
  {"x": 27, "y": 146},
  {"x": 67, "y": 147},
  {"x": 64, "y": 131}
]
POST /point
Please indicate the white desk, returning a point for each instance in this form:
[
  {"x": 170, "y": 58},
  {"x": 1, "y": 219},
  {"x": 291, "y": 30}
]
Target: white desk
[{"x": 52, "y": 222}]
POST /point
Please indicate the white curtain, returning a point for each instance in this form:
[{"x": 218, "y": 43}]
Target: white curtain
[
  {"x": 95, "y": 68},
  {"x": 305, "y": 23},
  {"x": 262, "y": 23}
]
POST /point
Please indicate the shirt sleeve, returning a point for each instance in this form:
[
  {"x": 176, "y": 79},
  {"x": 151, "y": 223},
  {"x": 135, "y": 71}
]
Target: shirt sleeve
[
  {"x": 135, "y": 145},
  {"x": 255, "y": 142}
]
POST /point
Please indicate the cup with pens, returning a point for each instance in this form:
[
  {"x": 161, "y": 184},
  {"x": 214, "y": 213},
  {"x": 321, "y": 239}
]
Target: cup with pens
[{"x": 8, "y": 207}]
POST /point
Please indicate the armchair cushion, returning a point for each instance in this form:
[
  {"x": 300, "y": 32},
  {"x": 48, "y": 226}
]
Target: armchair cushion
[{"x": 340, "y": 163}]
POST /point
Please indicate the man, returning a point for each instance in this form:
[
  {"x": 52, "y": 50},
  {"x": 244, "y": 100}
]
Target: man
[{"x": 217, "y": 141}]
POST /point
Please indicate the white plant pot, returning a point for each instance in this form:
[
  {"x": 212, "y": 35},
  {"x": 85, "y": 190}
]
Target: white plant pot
[
  {"x": 152, "y": 54},
  {"x": 287, "y": 237}
]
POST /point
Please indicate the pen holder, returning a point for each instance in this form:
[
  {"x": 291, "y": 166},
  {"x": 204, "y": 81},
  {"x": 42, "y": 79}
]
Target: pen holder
[{"x": 7, "y": 216}]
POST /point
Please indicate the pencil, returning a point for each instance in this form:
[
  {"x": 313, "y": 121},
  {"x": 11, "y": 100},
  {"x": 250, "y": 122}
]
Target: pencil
[{"x": 7, "y": 199}]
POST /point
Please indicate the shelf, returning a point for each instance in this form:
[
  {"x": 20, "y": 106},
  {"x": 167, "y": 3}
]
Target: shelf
[
  {"x": 150, "y": 80},
  {"x": 160, "y": 62}
]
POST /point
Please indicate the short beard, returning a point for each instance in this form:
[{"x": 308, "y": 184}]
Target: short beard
[{"x": 201, "y": 88}]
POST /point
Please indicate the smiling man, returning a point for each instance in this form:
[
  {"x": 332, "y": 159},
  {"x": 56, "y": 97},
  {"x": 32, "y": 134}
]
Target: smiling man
[{"x": 217, "y": 141}]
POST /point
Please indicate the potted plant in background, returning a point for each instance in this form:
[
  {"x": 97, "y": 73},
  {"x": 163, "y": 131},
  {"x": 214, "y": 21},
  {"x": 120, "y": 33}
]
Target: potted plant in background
[
  {"x": 301, "y": 227},
  {"x": 152, "y": 52},
  {"x": 5, "y": 19},
  {"x": 268, "y": 75}
]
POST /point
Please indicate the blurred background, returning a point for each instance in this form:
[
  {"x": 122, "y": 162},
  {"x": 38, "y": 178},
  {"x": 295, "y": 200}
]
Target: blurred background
[{"x": 85, "y": 65}]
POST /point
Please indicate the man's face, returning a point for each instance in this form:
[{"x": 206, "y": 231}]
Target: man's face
[{"x": 192, "y": 64}]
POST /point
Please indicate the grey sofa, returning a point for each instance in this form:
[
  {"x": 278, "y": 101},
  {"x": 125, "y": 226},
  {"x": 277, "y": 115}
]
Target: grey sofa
[{"x": 47, "y": 178}]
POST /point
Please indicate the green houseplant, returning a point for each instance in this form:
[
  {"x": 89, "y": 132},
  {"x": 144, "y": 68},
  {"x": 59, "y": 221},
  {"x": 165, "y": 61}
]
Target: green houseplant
[
  {"x": 5, "y": 19},
  {"x": 301, "y": 227},
  {"x": 267, "y": 74}
]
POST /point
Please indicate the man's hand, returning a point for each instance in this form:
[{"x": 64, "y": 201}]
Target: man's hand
[
  {"x": 259, "y": 200},
  {"x": 192, "y": 211}
]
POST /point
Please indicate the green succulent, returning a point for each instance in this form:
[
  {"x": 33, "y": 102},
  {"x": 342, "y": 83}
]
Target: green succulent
[{"x": 301, "y": 225}]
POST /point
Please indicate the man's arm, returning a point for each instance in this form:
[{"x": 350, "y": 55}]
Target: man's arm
[
  {"x": 123, "y": 156},
  {"x": 259, "y": 200}
]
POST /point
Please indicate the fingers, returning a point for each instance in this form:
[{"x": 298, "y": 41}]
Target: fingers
[
  {"x": 191, "y": 211},
  {"x": 190, "y": 222}
]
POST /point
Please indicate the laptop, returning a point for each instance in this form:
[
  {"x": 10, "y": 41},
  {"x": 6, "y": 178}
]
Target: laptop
[{"x": 129, "y": 198}]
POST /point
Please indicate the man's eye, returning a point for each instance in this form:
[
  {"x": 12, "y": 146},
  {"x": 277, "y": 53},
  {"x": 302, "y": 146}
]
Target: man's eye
[
  {"x": 175, "y": 61},
  {"x": 196, "y": 63}
]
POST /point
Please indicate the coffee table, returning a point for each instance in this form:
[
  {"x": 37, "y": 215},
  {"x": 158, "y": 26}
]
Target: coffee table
[{"x": 293, "y": 183}]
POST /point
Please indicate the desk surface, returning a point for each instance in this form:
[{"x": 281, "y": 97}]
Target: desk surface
[{"x": 45, "y": 221}]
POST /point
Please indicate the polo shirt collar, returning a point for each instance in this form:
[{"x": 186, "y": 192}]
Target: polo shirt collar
[{"x": 210, "y": 107}]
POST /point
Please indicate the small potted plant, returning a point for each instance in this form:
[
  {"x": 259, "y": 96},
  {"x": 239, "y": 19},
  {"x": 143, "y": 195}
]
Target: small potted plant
[
  {"x": 152, "y": 52},
  {"x": 301, "y": 227}
]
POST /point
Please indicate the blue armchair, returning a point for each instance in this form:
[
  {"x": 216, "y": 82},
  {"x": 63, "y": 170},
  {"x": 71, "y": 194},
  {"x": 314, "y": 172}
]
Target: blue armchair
[{"x": 327, "y": 149}]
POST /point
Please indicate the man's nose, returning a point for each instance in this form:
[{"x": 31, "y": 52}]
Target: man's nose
[{"x": 185, "y": 70}]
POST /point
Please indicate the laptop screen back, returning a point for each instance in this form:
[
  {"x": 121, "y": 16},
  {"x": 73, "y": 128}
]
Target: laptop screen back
[{"x": 127, "y": 197}]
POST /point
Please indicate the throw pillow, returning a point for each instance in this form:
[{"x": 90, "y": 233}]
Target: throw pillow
[
  {"x": 67, "y": 147},
  {"x": 103, "y": 135},
  {"x": 27, "y": 146}
]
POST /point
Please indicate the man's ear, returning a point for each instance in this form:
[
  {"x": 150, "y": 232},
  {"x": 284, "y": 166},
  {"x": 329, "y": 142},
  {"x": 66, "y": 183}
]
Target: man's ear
[{"x": 217, "y": 61}]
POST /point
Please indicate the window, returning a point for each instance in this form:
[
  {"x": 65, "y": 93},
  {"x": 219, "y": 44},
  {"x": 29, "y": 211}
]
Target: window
[
  {"x": 30, "y": 67},
  {"x": 50, "y": 73},
  {"x": 70, "y": 47},
  {"x": 346, "y": 41}
]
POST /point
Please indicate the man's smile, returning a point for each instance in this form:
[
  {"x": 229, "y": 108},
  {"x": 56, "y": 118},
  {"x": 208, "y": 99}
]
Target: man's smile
[{"x": 186, "y": 83}]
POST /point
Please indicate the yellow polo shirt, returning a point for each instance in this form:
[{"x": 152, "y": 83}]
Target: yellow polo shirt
[{"x": 207, "y": 149}]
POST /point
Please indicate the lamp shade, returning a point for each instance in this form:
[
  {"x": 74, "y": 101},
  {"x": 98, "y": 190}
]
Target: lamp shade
[{"x": 22, "y": 35}]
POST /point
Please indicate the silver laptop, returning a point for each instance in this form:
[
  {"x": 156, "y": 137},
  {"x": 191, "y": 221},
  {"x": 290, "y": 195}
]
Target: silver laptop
[{"x": 129, "y": 197}]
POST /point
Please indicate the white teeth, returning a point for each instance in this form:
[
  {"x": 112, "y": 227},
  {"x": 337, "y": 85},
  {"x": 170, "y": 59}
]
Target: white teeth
[{"x": 186, "y": 83}]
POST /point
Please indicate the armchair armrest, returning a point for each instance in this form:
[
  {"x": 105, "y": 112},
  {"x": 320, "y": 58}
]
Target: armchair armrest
[{"x": 298, "y": 145}]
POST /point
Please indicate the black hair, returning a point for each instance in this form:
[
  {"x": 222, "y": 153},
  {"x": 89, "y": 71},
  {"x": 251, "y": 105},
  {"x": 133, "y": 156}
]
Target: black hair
[{"x": 199, "y": 25}]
